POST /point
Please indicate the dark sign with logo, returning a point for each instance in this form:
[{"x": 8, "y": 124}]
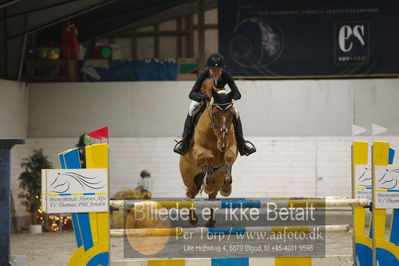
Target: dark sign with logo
[{"x": 311, "y": 39}]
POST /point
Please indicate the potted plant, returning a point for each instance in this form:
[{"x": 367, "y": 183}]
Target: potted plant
[{"x": 30, "y": 183}]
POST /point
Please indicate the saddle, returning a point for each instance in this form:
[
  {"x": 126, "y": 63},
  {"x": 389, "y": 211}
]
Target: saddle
[{"x": 197, "y": 112}]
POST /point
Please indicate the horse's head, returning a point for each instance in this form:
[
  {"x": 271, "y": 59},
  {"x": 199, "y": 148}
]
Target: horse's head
[{"x": 221, "y": 113}]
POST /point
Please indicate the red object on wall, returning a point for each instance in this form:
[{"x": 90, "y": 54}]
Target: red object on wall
[
  {"x": 69, "y": 46},
  {"x": 99, "y": 133}
]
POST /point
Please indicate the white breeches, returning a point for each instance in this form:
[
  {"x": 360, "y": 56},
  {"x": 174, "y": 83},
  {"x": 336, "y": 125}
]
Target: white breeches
[{"x": 194, "y": 104}]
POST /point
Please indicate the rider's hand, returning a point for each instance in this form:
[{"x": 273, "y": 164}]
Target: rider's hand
[{"x": 204, "y": 97}]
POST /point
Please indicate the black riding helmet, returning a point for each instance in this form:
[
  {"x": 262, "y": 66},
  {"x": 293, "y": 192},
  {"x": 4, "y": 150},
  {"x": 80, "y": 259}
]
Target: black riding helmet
[{"x": 215, "y": 61}]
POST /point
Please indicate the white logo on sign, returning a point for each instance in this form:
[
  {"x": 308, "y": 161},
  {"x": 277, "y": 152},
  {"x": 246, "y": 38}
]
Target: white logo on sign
[
  {"x": 63, "y": 182},
  {"x": 389, "y": 179},
  {"x": 346, "y": 32}
]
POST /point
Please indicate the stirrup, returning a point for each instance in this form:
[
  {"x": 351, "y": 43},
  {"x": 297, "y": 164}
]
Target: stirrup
[
  {"x": 179, "y": 149},
  {"x": 249, "y": 149}
]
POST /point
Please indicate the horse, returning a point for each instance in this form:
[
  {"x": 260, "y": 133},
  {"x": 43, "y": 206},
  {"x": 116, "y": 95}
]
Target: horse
[{"x": 208, "y": 162}]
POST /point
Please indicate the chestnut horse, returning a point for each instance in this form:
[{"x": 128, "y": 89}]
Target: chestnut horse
[{"x": 214, "y": 151}]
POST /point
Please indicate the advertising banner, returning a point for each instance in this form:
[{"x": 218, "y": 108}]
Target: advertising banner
[{"x": 309, "y": 39}]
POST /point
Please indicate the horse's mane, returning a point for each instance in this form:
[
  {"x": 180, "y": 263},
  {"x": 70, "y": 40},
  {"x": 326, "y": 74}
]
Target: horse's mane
[
  {"x": 222, "y": 95},
  {"x": 207, "y": 87}
]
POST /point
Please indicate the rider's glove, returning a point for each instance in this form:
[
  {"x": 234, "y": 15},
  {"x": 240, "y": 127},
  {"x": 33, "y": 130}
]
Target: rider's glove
[{"x": 204, "y": 97}]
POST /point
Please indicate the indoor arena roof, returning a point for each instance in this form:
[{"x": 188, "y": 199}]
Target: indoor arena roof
[{"x": 93, "y": 18}]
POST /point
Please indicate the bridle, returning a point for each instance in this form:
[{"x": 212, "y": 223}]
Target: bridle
[{"x": 223, "y": 129}]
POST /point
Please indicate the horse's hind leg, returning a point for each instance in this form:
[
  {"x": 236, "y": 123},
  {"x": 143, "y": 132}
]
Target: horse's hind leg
[
  {"x": 194, "y": 187},
  {"x": 212, "y": 216},
  {"x": 198, "y": 179}
]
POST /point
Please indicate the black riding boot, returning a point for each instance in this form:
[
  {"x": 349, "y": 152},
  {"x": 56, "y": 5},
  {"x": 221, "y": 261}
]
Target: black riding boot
[
  {"x": 244, "y": 147},
  {"x": 182, "y": 146}
]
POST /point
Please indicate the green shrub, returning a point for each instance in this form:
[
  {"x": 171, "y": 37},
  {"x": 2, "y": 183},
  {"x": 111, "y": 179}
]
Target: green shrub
[{"x": 30, "y": 182}]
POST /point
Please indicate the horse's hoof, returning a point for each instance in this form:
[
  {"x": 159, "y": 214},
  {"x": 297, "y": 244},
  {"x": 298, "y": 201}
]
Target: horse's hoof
[
  {"x": 227, "y": 181},
  {"x": 225, "y": 191},
  {"x": 208, "y": 189}
]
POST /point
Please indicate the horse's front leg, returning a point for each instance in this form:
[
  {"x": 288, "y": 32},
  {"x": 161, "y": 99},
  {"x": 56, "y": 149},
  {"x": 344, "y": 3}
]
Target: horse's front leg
[
  {"x": 225, "y": 187},
  {"x": 204, "y": 159},
  {"x": 209, "y": 186}
]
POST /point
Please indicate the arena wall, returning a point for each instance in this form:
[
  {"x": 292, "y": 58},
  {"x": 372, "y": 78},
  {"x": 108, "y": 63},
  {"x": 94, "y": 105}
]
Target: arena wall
[
  {"x": 268, "y": 108},
  {"x": 14, "y": 98}
]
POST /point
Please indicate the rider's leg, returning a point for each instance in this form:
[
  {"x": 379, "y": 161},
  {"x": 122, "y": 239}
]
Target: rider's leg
[
  {"x": 244, "y": 147},
  {"x": 182, "y": 146}
]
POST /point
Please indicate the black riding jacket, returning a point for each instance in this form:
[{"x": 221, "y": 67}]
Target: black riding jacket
[{"x": 225, "y": 78}]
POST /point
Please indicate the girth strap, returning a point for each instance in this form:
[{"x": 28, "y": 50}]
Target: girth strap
[{"x": 215, "y": 170}]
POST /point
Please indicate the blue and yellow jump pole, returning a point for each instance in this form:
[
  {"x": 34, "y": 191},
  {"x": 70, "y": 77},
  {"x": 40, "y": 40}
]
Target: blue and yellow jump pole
[
  {"x": 91, "y": 229},
  {"x": 372, "y": 248}
]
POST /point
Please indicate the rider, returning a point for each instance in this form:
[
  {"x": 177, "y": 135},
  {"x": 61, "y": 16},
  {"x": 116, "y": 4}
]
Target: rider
[{"x": 215, "y": 71}]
